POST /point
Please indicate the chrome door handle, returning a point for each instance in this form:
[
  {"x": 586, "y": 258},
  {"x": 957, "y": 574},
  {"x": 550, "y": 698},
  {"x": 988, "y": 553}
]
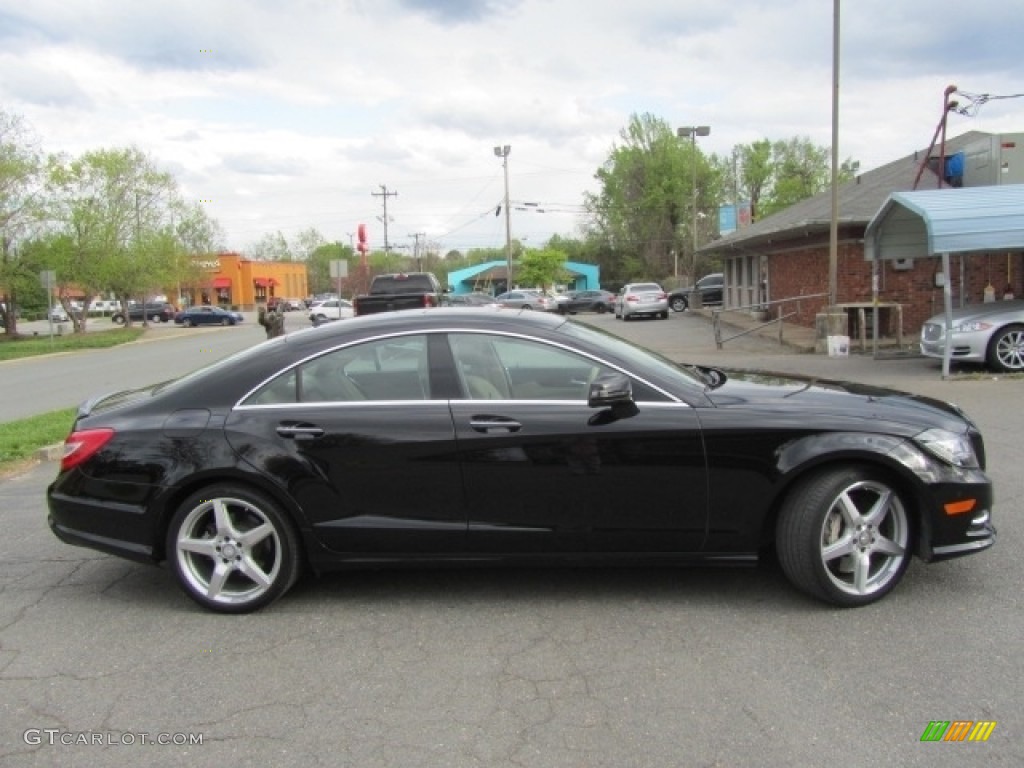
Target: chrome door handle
[{"x": 494, "y": 424}]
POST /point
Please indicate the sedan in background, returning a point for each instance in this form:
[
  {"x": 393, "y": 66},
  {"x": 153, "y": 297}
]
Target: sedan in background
[
  {"x": 588, "y": 301},
  {"x": 382, "y": 440},
  {"x": 330, "y": 309},
  {"x": 708, "y": 289},
  {"x": 641, "y": 299},
  {"x": 207, "y": 315},
  {"x": 521, "y": 299},
  {"x": 991, "y": 334},
  {"x": 474, "y": 299}
]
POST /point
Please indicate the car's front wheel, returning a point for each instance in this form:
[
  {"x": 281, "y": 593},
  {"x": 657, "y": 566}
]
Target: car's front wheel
[
  {"x": 189, "y": 322},
  {"x": 678, "y": 304},
  {"x": 232, "y": 549},
  {"x": 117, "y": 319},
  {"x": 1006, "y": 349},
  {"x": 844, "y": 536}
]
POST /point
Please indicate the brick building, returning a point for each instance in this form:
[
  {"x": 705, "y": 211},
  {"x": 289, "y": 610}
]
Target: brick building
[{"x": 787, "y": 254}]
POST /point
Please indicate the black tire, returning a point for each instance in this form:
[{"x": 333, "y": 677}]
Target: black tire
[
  {"x": 526, "y": 306},
  {"x": 189, "y": 322},
  {"x": 246, "y": 534},
  {"x": 118, "y": 319},
  {"x": 600, "y": 309},
  {"x": 1006, "y": 349},
  {"x": 845, "y": 536},
  {"x": 225, "y": 321},
  {"x": 678, "y": 304},
  {"x": 664, "y": 315},
  {"x": 625, "y": 318}
]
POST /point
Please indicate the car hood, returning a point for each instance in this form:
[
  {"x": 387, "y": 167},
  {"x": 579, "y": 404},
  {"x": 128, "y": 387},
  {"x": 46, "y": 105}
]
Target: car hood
[
  {"x": 971, "y": 312},
  {"x": 804, "y": 396}
]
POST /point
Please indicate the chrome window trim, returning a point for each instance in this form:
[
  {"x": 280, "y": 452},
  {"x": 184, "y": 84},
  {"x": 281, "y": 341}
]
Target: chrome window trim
[{"x": 240, "y": 403}]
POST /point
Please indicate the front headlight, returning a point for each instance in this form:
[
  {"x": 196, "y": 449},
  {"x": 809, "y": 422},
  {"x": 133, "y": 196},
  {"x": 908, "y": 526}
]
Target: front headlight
[
  {"x": 971, "y": 327},
  {"x": 950, "y": 447}
]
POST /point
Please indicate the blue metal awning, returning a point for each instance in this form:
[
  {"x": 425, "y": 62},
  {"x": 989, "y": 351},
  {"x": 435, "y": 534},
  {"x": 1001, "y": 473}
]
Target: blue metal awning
[
  {"x": 933, "y": 221},
  {"x": 944, "y": 221}
]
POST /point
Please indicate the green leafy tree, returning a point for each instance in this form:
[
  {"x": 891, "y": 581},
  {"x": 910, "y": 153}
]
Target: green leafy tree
[
  {"x": 20, "y": 204},
  {"x": 643, "y": 210},
  {"x": 273, "y": 246},
  {"x": 542, "y": 267},
  {"x": 109, "y": 207}
]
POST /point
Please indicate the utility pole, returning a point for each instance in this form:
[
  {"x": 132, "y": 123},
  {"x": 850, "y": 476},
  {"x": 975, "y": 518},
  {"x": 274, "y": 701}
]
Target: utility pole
[
  {"x": 416, "y": 249},
  {"x": 385, "y": 194},
  {"x": 503, "y": 152}
]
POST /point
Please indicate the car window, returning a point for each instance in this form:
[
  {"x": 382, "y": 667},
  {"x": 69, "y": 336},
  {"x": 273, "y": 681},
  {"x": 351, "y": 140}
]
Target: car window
[
  {"x": 646, "y": 287},
  {"x": 509, "y": 368},
  {"x": 383, "y": 369}
]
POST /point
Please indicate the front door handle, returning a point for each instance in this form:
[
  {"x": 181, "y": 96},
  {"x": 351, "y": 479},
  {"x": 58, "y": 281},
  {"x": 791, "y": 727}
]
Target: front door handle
[{"x": 495, "y": 424}]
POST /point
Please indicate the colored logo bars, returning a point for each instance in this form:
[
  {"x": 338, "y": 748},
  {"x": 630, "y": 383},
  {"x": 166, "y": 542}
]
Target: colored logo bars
[{"x": 958, "y": 730}]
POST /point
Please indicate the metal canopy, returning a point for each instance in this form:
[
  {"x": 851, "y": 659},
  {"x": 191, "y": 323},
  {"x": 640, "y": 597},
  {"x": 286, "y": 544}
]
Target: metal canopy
[
  {"x": 933, "y": 221},
  {"x": 945, "y": 221}
]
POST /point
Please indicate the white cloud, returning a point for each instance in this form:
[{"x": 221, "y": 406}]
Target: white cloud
[{"x": 288, "y": 115}]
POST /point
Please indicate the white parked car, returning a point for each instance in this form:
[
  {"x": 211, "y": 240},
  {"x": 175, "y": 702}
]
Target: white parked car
[{"x": 330, "y": 309}]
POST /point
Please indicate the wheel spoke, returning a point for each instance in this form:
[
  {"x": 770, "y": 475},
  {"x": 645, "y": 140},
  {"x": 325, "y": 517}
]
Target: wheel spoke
[
  {"x": 217, "y": 580},
  {"x": 879, "y": 509},
  {"x": 861, "y": 571},
  {"x": 842, "y": 547},
  {"x": 249, "y": 567},
  {"x": 204, "y": 547},
  {"x": 223, "y": 518},
  {"x": 848, "y": 509},
  {"x": 252, "y": 537},
  {"x": 888, "y": 547}
]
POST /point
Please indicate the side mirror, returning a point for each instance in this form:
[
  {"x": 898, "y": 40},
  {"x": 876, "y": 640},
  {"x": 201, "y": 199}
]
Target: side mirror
[{"x": 610, "y": 389}]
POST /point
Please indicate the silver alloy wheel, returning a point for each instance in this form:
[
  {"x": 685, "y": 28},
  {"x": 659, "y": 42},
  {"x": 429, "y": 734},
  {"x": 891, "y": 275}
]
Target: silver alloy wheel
[
  {"x": 864, "y": 538},
  {"x": 229, "y": 551},
  {"x": 1007, "y": 352}
]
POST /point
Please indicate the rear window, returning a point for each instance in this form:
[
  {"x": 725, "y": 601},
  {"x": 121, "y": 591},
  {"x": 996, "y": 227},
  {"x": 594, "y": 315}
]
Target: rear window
[
  {"x": 646, "y": 287},
  {"x": 395, "y": 284}
]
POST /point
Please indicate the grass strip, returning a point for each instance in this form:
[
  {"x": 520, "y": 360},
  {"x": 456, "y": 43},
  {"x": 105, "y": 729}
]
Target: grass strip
[
  {"x": 32, "y": 346},
  {"x": 19, "y": 440}
]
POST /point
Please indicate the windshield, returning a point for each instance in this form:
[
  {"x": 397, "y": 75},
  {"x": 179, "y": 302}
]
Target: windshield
[{"x": 634, "y": 354}]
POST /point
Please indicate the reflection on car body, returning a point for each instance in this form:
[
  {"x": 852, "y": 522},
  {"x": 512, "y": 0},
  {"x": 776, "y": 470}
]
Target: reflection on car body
[{"x": 382, "y": 440}]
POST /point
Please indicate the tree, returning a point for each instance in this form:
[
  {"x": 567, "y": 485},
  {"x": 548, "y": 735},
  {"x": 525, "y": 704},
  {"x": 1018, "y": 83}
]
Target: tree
[
  {"x": 644, "y": 209},
  {"x": 542, "y": 267},
  {"x": 110, "y": 210},
  {"x": 20, "y": 202},
  {"x": 273, "y": 246}
]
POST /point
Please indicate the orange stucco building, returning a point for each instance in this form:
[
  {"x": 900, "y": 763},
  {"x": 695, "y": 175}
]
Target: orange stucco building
[{"x": 228, "y": 279}]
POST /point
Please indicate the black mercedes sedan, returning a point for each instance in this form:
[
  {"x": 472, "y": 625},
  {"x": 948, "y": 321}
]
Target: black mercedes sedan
[{"x": 465, "y": 436}]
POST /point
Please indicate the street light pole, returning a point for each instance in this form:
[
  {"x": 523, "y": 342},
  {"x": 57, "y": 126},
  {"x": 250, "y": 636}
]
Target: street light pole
[
  {"x": 503, "y": 153},
  {"x": 692, "y": 132}
]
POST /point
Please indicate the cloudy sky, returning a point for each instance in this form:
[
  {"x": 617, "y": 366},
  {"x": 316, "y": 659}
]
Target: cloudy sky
[{"x": 290, "y": 114}]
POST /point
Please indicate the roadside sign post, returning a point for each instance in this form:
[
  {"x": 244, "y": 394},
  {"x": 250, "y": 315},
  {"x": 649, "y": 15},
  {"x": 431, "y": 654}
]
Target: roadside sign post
[
  {"x": 339, "y": 269},
  {"x": 48, "y": 278}
]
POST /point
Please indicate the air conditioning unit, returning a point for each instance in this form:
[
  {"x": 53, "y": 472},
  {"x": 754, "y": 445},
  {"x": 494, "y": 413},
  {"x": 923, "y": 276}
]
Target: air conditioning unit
[{"x": 902, "y": 265}]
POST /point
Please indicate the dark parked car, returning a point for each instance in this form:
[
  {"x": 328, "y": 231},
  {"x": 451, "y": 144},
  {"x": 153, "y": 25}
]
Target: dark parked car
[
  {"x": 383, "y": 440},
  {"x": 163, "y": 312},
  {"x": 708, "y": 287},
  {"x": 206, "y": 315},
  {"x": 588, "y": 301}
]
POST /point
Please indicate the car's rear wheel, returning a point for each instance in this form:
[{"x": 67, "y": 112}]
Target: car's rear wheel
[
  {"x": 1006, "y": 349},
  {"x": 189, "y": 322},
  {"x": 600, "y": 309},
  {"x": 232, "y": 550},
  {"x": 117, "y": 319},
  {"x": 844, "y": 536}
]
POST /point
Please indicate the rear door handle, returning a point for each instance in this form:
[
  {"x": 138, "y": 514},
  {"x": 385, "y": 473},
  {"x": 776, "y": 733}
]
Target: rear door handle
[
  {"x": 300, "y": 431},
  {"x": 496, "y": 424}
]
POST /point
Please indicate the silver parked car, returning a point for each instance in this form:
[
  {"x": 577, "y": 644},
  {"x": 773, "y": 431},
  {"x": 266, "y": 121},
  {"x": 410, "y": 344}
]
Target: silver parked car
[
  {"x": 637, "y": 299},
  {"x": 524, "y": 299},
  {"x": 991, "y": 333}
]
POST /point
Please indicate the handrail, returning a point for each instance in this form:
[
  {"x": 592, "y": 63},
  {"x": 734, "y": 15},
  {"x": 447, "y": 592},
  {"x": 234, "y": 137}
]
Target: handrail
[{"x": 716, "y": 322}]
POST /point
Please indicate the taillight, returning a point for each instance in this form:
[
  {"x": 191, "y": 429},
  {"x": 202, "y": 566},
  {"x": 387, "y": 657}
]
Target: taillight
[{"x": 82, "y": 446}]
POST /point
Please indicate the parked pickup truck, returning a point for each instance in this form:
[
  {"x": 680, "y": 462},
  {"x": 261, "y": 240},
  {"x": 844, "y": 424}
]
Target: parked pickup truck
[{"x": 405, "y": 290}]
